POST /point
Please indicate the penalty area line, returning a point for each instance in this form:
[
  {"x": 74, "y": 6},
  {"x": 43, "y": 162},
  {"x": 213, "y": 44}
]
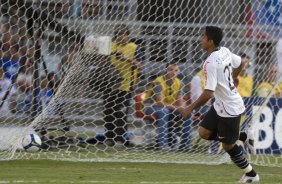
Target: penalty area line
[{"x": 17, "y": 181}]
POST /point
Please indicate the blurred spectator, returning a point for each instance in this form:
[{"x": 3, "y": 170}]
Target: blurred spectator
[
  {"x": 24, "y": 80},
  {"x": 11, "y": 62},
  {"x": 9, "y": 102},
  {"x": 23, "y": 101},
  {"x": 6, "y": 37},
  {"x": 75, "y": 9},
  {"x": 245, "y": 81},
  {"x": 265, "y": 88},
  {"x": 68, "y": 59},
  {"x": 197, "y": 85},
  {"x": 166, "y": 95},
  {"x": 1, "y": 52},
  {"x": 51, "y": 51},
  {"x": 90, "y": 10},
  {"x": 24, "y": 88},
  {"x": 48, "y": 87},
  {"x": 63, "y": 9}
]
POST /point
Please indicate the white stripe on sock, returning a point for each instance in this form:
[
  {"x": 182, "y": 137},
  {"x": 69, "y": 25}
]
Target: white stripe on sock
[{"x": 248, "y": 168}]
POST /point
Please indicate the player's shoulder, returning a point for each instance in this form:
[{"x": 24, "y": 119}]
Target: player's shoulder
[
  {"x": 211, "y": 59},
  {"x": 219, "y": 54},
  {"x": 221, "y": 51}
]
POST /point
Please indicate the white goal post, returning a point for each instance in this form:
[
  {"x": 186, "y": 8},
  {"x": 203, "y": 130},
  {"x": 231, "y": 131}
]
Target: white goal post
[{"x": 60, "y": 77}]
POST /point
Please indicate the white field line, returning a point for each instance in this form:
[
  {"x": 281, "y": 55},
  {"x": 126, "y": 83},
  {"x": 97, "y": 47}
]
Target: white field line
[
  {"x": 18, "y": 181},
  {"x": 106, "y": 182},
  {"x": 183, "y": 182},
  {"x": 51, "y": 181}
]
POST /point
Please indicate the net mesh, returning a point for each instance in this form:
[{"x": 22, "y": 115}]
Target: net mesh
[{"x": 87, "y": 105}]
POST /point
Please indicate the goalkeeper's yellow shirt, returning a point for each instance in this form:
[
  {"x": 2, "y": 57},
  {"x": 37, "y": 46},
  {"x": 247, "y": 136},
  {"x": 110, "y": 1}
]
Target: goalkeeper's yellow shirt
[
  {"x": 245, "y": 86},
  {"x": 128, "y": 74}
]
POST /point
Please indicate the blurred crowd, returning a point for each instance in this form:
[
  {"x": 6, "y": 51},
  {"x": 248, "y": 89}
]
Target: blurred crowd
[
  {"x": 16, "y": 62},
  {"x": 16, "y": 72}
]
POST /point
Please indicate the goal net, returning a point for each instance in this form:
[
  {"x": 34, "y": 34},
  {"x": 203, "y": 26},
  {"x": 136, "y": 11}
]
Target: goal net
[{"x": 76, "y": 72}]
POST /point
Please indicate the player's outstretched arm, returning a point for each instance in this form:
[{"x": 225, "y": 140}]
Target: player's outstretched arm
[{"x": 202, "y": 100}]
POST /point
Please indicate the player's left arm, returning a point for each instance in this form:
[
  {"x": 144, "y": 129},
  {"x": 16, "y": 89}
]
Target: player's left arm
[
  {"x": 202, "y": 100},
  {"x": 210, "y": 71}
]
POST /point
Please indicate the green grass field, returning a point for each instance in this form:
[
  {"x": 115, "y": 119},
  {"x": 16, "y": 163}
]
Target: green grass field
[{"x": 59, "y": 172}]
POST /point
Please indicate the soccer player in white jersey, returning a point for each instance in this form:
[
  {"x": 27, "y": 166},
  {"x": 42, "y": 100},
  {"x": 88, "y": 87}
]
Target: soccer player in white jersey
[{"x": 222, "y": 122}]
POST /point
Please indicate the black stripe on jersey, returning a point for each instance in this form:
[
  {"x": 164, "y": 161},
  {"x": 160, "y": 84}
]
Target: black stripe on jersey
[{"x": 209, "y": 90}]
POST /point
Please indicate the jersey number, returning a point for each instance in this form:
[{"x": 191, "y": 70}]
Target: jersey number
[{"x": 228, "y": 73}]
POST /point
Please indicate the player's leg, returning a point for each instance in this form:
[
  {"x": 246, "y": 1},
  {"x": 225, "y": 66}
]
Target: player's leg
[
  {"x": 236, "y": 154},
  {"x": 208, "y": 127},
  {"x": 201, "y": 113},
  {"x": 248, "y": 139},
  {"x": 228, "y": 134}
]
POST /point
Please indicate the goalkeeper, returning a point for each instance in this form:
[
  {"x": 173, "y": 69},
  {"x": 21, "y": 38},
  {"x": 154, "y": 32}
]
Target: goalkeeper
[{"x": 123, "y": 59}]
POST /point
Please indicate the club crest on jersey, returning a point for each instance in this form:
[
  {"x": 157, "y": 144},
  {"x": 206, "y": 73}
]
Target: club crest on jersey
[{"x": 218, "y": 61}]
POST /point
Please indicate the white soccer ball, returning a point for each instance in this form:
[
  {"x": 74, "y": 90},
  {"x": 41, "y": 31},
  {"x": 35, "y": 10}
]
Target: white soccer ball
[{"x": 31, "y": 143}]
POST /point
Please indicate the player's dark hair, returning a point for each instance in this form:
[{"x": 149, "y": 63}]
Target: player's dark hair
[
  {"x": 51, "y": 83},
  {"x": 215, "y": 34}
]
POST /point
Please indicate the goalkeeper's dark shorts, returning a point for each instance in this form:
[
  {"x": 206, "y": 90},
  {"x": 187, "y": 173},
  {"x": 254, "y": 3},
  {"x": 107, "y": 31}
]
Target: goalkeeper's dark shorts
[{"x": 226, "y": 128}]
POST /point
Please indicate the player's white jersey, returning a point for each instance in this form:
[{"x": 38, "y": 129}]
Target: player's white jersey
[{"x": 218, "y": 78}]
